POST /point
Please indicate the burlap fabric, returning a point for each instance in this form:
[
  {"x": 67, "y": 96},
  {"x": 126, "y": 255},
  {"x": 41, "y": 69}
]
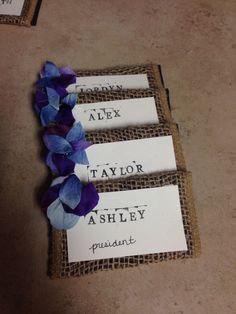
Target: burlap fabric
[
  {"x": 58, "y": 259},
  {"x": 26, "y": 15},
  {"x": 141, "y": 132},
  {"x": 160, "y": 96},
  {"x": 153, "y": 72}
]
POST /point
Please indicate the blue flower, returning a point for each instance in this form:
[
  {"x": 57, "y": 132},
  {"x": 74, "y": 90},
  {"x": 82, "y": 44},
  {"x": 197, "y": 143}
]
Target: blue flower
[
  {"x": 51, "y": 94},
  {"x": 66, "y": 148},
  {"x": 67, "y": 199}
]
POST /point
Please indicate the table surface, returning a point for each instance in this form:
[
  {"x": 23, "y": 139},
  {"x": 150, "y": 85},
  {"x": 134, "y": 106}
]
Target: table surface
[{"x": 195, "y": 42}]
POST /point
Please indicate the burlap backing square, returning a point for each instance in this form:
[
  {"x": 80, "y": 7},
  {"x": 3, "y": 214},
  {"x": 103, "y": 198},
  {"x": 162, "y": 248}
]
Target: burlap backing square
[
  {"x": 59, "y": 267},
  {"x": 153, "y": 72},
  {"x": 160, "y": 96},
  {"x": 141, "y": 132},
  {"x": 26, "y": 15}
]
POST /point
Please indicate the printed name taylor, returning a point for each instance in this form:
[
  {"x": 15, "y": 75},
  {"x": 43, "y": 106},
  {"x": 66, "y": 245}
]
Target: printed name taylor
[{"x": 114, "y": 171}]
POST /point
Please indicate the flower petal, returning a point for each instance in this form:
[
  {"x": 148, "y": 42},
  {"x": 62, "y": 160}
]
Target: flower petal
[
  {"x": 50, "y": 70},
  {"x": 57, "y": 144},
  {"x": 65, "y": 116},
  {"x": 76, "y": 133},
  {"x": 53, "y": 98},
  {"x": 63, "y": 165},
  {"x": 59, "y": 219},
  {"x": 67, "y": 70},
  {"x": 58, "y": 180},
  {"x": 70, "y": 100},
  {"x": 50, "y": 163},
  {"x": 79, "y": 157},
  {"x": 47, "y": 115},
  {"x": 70, "y": 191},
  {"x": 89, "y": 200},
  {"x": 50, "y": 196},
  {"x": 60, "y": 130},
  {"x": 41, "y": 99},
  {"x": 80, "y": 145}
]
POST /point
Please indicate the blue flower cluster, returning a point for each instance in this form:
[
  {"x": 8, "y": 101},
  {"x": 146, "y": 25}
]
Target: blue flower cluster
[{"x": 67, "y": 198}]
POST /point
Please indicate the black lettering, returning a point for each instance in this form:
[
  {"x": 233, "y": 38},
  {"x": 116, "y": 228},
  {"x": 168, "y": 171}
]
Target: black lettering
[
  {"x": 109, "y": 115},
  {"x": 102, "y": 219},
  {"x": 139, "y": 168},
  {"x": 113, "y": 171},
  {"x": 94, "y": 171},
  {"x": 119, "y": 87},
  {"x": 132, "y": 216},
  {"x": 104, "y": 174},
  {"x": 141, "y": 212},
  {"x": 121, "y": 218},
  {"x": 116, "y": 113},
  {"x": 91, "y": 117},
  {"x": 91, "y": 221},
  {"x": 104, "y": 88},
  {"x": 99, "y": 116},
  {"x": 129, "y": 169},
  {"x": 111, "y": 218},
  {"x": 121, "y": 171},
  {"x": 111, "y": 87}
]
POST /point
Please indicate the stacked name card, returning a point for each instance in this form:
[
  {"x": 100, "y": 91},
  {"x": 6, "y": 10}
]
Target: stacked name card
[{"x": 142, "y": 210}]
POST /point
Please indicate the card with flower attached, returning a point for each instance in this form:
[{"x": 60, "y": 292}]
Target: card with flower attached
[{"x": 138, "y": 220}]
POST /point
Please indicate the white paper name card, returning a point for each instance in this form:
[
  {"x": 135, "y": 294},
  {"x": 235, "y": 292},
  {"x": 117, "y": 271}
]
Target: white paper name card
[
  {"x": 117, "y": 113},
  {"x": 121, "y": 159},
  {"x": 129, "y": 223},
  {"x": 11, "y": 7},
  {"x": 108, "y": 83}
]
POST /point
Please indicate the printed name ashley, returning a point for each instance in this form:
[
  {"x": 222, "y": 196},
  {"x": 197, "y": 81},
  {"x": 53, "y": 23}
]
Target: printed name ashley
[
  {"x": 108, "y": 244},
  {"x": 126, "y": 216}
]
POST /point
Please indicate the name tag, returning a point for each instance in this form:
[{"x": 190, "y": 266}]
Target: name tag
[
  {"x": 127, "y": 223},
  {"x": 98, "y": 83},
  {"x": 116, "y": 114},
  {"x": 122, "y": 159}
]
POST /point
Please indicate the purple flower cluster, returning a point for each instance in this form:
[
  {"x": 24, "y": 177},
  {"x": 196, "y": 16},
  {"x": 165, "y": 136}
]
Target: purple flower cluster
[{"x": 67, "y": 198}]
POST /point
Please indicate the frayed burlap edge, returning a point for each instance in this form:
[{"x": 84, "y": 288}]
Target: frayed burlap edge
[
  {"x": 56, "y": 269},
  {"x": 26, "y": 15}
]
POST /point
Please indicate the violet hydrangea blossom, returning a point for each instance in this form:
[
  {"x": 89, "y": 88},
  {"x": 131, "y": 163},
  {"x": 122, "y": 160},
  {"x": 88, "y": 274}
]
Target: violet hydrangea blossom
[
  {"x": 52, "y": 101},
  {"x": 66, "y": 148},
  {"x": 67, "y": 199}
]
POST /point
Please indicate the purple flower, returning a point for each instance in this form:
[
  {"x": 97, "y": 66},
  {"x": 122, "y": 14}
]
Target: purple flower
[
  {"x": 51, "y": 95},
  {"x": 67, "y": 199},
  {"x": 66, "y": 148}
]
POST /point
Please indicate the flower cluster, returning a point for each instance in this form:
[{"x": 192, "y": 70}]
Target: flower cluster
[{"x": 67, "y": 198}]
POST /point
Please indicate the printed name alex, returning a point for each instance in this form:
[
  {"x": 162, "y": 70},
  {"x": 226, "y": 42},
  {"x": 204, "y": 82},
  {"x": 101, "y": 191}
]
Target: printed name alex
[{"x": 104, "y": 114}]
